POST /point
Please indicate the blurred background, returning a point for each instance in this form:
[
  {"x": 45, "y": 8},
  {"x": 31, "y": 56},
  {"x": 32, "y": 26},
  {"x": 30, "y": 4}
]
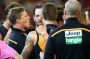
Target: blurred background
[{"x": 29, "y": 4}]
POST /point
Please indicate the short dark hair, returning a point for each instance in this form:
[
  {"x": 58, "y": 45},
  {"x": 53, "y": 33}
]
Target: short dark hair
[
  {"x": 15, "y": 13},
  {"x": 38, "y": 6},
  {"x": 49, "y": 11},
  {"x": 60, "y": 14},
  {"x": 11, "y": 5}
]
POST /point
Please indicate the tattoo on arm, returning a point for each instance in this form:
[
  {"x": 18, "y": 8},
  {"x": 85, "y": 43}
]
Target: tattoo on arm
[{"x": 28, "y": 47}]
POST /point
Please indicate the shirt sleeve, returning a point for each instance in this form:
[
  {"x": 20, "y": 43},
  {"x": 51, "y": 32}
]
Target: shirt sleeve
[{"x": 6, "y": 51}]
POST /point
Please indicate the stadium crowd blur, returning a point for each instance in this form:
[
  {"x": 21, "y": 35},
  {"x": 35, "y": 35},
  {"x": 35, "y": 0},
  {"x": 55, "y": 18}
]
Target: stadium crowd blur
[{"x": 29, "y": 4}]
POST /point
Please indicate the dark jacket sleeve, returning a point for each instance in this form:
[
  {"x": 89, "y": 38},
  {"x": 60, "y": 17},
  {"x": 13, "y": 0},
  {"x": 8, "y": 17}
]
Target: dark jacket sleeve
[{"x": 49, "y": 50}]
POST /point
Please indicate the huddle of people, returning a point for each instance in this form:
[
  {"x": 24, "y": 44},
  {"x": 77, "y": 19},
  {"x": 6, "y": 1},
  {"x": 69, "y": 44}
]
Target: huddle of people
[{"x": 47, "y": 40}]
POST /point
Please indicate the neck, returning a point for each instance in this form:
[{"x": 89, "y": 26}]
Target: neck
[
  {"x": 19, "y": 27},
  {"x": 50, "y": 22},
  {"x": 6, "y": 25},
  {"x": 88, "y": 21},
  {"x": 69, "y": 17}
]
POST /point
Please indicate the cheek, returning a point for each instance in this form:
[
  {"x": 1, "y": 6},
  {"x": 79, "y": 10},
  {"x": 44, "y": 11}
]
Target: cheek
[
  {"x": 25, "y": 21},
  {"x": 22, "y": 22},
  {"x": 36, "y": 18},
  {"x": 43, "y": 21},
  {"x": 28, "y": 22}
]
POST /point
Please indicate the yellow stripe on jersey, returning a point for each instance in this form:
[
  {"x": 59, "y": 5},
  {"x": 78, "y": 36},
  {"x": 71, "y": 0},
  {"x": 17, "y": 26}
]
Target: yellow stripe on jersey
[
  {"x": 42, "y": 43},
  {"x": 70, "y": 29},
  {"x": 13, "y": 41}
]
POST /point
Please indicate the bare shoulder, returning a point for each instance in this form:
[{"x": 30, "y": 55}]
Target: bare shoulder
[
  {"x": 32, "y": 33},
  {"x": 30, "y": 42},
  {"x": 31, "y": 37}
]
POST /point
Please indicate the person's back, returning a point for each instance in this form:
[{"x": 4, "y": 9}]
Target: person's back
[
  {"x": 70, "y": 41},
  {"x": 50, "y": 15}
]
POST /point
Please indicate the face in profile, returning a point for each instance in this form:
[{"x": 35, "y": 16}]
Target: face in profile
[
  {"x": 38, "y": 17},
  {"x": 25, "y": 20}
]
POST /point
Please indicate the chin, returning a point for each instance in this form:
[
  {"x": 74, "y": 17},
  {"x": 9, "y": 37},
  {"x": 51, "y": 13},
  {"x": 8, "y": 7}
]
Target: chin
[
  {"x": 27, "y": 27},
  {"x": 40, "y": 24}
]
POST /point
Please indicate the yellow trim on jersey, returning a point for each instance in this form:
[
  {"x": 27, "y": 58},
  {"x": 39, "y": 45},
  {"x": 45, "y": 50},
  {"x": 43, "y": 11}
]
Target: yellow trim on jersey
[
  {"x": 42, "y": 43},
  {"x": 13, "y": 41},
  {"x": 70, "y": 29}
]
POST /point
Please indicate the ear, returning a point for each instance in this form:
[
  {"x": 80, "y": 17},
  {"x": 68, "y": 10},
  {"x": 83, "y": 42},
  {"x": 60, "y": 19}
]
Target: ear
[
  {"x": 34, "y": 17},
  {"x": 64, "y": 14},
  {"x": 18, "y": 20}
]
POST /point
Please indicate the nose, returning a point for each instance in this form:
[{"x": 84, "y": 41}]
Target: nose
[{"x": 40, "y": 18}]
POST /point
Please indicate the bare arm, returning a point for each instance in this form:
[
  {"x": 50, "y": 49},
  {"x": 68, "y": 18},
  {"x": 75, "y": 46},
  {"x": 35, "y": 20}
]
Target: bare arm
[
  {"x": 6, "y": 38},
  {"x": 0, "y": 36},
  {"x": 28, "y": 46},
  {"x": 17, "y": 56}
]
